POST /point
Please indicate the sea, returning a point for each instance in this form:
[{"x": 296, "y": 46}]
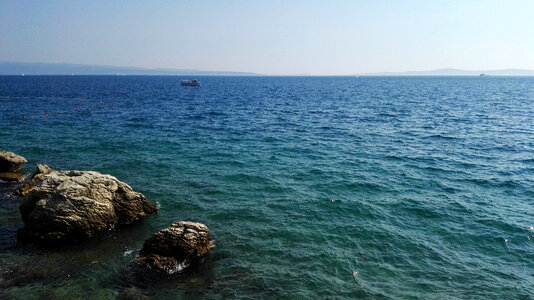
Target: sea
[{"x": 312, "y": 187}]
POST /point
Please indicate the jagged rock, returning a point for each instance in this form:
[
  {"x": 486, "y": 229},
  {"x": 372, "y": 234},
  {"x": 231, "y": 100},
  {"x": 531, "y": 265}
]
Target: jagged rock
[
  {"x": 42, "y": 169},
  {"x": 11, "y": 162},
  {"x": 34, "y": 180},
  {"x": 67, "y": 206},
  {"x": 176, "y": 247}
]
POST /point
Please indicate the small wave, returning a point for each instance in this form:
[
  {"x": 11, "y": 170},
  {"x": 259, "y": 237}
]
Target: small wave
[
  {"x": 387, "y": 115},
  {"x": 444, "y": 137},
  {"x": 200, "y": 185}
]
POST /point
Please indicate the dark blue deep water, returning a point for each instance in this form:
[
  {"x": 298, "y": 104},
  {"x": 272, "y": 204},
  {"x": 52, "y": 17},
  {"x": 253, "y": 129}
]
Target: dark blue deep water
[{"x": 432, "y": 180}]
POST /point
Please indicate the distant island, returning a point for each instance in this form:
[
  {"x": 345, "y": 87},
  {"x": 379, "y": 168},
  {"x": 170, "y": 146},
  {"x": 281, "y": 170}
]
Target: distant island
[
  {"x": 457, "y": 72},
  {"x": 19, "y": 68}
]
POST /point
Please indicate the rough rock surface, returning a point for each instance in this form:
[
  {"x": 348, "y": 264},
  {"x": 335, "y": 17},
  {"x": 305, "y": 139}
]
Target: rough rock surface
[
  {"x": 11, "y": 162},
  {"x": 67, "y": 206},
  {"x": 11, "y": 176},
  {"x": 176, "y": 247}
]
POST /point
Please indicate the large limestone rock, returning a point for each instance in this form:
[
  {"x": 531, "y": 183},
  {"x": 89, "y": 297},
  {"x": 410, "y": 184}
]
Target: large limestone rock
[
  {"x": 11, "y": 162},
  {"x": 11, "y": 166},
  {"x": 176, "y": 247},
  {"x": 67, "y": 206}
]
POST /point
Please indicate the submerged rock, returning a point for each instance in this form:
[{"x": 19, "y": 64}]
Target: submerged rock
[
  {"x": 67, "y": 206},
  {"x": 132, "y": 293},
  {"x": 176, "y": 247},
  {"x": 11, "y": 162}
]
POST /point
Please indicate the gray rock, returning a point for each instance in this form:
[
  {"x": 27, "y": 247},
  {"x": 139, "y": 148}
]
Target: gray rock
[
  {"x": 11, "y": 162},
  {"x": 66, "y": 206},
  {"x": 174, "y": 248}
]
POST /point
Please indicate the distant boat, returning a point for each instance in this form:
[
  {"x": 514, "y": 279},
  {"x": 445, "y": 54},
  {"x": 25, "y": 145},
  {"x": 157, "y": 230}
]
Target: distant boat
[
  {"x": 482, "y": 74},
  {"x": 193, "y": 82}
]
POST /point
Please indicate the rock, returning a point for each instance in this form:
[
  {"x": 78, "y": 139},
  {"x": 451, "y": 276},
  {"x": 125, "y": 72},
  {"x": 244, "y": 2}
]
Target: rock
[
  {"x": 176, "y": 247},
  {"x": 11, "y": 162},
  {"x": 41, "y": 169},
  {"x": 67, "y": 206},
  {"x": 10, "y": 176}
]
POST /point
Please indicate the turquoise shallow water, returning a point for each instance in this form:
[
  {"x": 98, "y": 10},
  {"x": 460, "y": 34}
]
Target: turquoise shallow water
[{"x": 432, "y": 180}]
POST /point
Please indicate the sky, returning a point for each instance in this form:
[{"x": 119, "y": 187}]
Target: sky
[{"x": 274, "y": 37}]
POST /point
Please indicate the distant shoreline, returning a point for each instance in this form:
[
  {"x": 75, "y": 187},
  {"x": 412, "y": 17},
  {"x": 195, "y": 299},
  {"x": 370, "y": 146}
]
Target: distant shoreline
[
  {"x": 258, "y": 75},
  {"x": 61, "y": 69}
]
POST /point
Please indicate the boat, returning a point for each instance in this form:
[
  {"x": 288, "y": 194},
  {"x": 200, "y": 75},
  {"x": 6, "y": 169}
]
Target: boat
[
  {"x": 193, "y": 82},
  {"x": 482, "y": 74}
]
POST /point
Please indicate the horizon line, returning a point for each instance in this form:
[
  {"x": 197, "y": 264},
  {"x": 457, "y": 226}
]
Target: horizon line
[{"x": 412, "y": 73}]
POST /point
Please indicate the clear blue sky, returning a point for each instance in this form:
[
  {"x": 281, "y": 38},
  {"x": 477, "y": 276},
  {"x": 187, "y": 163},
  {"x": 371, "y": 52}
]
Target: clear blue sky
[{"x": 272, "y": 37}]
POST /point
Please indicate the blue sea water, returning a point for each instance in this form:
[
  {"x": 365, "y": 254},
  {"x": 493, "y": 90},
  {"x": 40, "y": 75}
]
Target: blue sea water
[{"x": 313, "y": 187}]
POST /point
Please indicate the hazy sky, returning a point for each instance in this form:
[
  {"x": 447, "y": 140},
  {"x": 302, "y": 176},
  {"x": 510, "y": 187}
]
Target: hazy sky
[{"x": 272, "y": 37}]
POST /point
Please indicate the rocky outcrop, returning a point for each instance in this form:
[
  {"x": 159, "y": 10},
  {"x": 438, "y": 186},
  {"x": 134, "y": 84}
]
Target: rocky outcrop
[
  {"x": 176, "y": 247},
  {"x": 40, "y": 171},
  {"x": 66, "y": 206},
  {"x": 11, "y": 166},
  {"x": 11, "y": 176}
]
